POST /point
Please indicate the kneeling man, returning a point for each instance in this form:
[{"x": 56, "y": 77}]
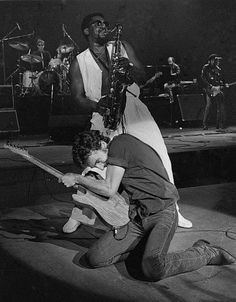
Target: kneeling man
[{"x": 152, "y": 210}]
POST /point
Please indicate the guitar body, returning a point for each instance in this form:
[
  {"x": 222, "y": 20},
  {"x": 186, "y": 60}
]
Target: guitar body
[
  {"x": 215, "y": 90},
  {"x": 114, "y": 211},
  {"x": 152, "y": 79}
]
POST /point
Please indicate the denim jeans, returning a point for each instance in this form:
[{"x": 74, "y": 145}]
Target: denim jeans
[
  {"x": 220, "y": 110},
  {"x": 158, "y": 230}
]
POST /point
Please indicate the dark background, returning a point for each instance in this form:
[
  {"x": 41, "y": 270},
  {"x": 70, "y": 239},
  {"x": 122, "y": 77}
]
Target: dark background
[{"x": 189, "y": 30}]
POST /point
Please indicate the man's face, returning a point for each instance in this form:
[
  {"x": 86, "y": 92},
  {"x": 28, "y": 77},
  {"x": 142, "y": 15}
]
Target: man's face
[
  {"x": 40, "y": 46},
  {"x": 98, "y": 29},
  {"x": 98, "y": 159},
  {"x": 212, "y": 62},
  {"x": 170, "y": 61}
]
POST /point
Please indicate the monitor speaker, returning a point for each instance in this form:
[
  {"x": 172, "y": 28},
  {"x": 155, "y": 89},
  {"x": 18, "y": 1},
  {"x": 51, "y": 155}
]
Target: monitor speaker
[
  {"x": 9, "y": 121},
  {"x": 191, "y": 106}
]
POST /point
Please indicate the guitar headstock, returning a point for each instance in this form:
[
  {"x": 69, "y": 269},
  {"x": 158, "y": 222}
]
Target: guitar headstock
[{"x": 16, "y": 149}]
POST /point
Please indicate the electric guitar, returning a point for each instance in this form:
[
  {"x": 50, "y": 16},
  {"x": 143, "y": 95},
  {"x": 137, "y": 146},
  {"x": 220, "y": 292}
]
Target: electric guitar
[
  {"x": 214, "y": 90},
  {"x": 113, "y": 211},
  {"x": 152, "y": 79}
]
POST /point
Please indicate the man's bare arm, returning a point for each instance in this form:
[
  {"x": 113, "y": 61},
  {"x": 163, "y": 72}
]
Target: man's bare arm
[
  {"x": 106, "y": 187},
  {"x": 77, "y": 90},
  {"x": 137, "y": 70}
]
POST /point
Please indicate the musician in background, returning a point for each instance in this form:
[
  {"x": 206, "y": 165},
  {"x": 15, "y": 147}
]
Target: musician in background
[
  {"x": 173, "y": 78},
  {"x": 152, "y": 207},
  {"x": 213, "y": 79},
  {"x": 89, "y": 74},
  {"x": 43, "y": 54}
]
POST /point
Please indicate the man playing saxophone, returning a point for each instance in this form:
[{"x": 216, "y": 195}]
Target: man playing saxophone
[{"x": 90, "y": 86}]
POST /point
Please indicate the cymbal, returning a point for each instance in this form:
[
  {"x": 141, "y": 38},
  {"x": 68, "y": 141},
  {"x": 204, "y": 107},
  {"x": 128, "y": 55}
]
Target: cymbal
[
  {"x": 65, "y": 48},
  {"x": 22, "y": 46},
  {"x": 32, "y": 59}
]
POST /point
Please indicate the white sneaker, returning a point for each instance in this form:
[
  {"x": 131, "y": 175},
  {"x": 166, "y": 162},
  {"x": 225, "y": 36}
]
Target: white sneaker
[
  {"x": 183, "y": 222},
  {"x": 71, "y": 226}
]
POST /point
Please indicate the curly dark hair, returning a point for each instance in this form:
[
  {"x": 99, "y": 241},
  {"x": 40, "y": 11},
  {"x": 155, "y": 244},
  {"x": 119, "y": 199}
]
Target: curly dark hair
[{"x": 84, "y": 143}]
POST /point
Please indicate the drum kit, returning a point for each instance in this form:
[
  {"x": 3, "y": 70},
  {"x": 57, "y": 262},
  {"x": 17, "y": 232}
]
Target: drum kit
[{"x": 53, "y": 79}]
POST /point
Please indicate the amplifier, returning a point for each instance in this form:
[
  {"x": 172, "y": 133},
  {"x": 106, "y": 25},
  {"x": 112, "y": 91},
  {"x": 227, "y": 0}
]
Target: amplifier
[
  {"x": 6, "y": 96},
  {"x": 9, "y": 121},
  {"x": 191, "y": 106}
]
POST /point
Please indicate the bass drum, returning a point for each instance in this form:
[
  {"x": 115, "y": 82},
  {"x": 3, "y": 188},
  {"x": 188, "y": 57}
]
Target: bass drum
[{"x": 47, "y": 80}]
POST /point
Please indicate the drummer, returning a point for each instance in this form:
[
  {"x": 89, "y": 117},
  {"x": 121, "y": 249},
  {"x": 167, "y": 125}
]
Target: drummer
[
  {"x": 60, "y": 62},
  {"x": 43, "y": 54},
  {"x": 63, "y": 53}
]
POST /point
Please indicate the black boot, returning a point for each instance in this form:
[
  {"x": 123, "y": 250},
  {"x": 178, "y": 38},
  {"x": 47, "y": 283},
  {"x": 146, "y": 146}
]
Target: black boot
[{"x": 219, "y": 256}]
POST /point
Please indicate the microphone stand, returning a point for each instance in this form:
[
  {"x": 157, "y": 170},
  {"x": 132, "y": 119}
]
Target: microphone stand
[
  {"x": 66, "y": 33},
  {"x": 3, "y": 51}
]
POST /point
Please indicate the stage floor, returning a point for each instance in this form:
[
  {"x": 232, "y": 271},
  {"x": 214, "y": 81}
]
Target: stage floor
[{"x": 39, "y": 263}]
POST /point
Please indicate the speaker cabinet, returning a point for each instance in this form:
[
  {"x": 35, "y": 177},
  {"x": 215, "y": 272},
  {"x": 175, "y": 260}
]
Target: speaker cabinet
[
  {"x": 191, "y": 106},
  {"x": 9, "y": 121},
  {"x": 160, "y": 109},
  {"x": 6, "y": 96}
]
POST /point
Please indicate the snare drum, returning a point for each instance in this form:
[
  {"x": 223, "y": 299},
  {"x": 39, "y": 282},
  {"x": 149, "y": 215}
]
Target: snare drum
[
  {"x": 55, "y": 65},
  {"x": 48, "y": 78}
]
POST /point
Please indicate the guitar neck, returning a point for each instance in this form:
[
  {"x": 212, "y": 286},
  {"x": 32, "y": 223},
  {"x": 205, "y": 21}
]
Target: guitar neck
[
  {"x": 231, "y": 84},
  {"x": 44, "y": 166}
]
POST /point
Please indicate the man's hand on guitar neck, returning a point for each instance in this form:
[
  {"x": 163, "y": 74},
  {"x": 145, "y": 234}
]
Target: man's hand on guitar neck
[
  {"x": 72, "y": 179},
  {"x": 69, "y": 179}
]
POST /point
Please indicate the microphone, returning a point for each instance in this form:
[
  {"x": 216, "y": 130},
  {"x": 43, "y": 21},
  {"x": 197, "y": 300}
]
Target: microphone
[{"x": 18, "y": 26}]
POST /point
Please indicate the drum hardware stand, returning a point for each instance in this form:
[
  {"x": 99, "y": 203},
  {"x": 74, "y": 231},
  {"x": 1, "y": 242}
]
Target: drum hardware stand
[
  {"x": 16, "y": 71},
  {"x": 51, "y": 98},
  {"x": 5, "y": 38}
]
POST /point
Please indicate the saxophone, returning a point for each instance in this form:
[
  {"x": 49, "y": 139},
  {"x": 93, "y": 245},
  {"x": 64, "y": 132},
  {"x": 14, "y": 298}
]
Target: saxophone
[{"x": 119, "y": 79}]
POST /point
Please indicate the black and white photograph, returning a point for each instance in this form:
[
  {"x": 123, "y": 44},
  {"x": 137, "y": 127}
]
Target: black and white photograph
[{"x": 117, "y": 150}]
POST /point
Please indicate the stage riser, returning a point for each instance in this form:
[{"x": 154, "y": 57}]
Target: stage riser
[
  {"x": 23, "y": 185},
  {"x": 192, "y": 105},
  {"x": 34, "y": 112},
  {"x": 37, "y": 115}
]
